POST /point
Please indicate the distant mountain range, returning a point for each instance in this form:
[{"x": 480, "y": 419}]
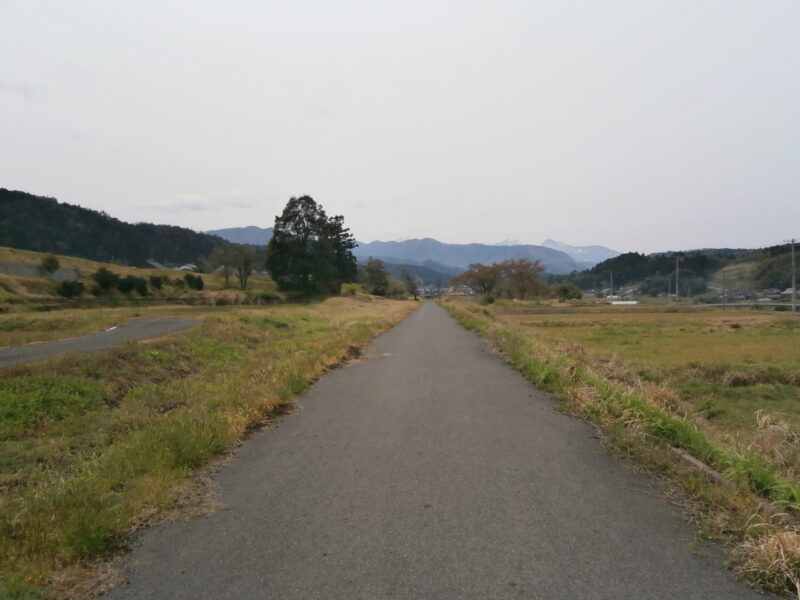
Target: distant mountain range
[
  {"x": 428, "y": 272},
  {"x": 255, "y": 236},
  {"x": 463, "y": 255},
  {"x": 583, "y": 254},
  {"x": 452, "y": 258}
]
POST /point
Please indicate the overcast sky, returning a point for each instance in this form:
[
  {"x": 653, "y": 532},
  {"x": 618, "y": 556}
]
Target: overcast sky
[{"x": 634, "y": 124}]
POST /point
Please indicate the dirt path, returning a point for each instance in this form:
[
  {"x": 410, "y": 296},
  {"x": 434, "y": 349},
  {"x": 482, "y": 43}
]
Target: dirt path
[{"x": 429, "y": 470}]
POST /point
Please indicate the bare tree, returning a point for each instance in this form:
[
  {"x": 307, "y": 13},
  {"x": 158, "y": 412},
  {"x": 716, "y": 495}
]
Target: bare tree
[
  {"x": 244, "y": 256},
  {"x": 224, "y": 258},
  {"x": 481, "y": 278},
  {"x": 522, "y": 276}
]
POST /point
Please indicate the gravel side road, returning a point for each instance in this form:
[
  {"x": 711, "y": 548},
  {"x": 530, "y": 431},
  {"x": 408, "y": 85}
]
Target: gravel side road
[
  {"x": 428, "y": 470},
  {"x": 138, "y": 329}
]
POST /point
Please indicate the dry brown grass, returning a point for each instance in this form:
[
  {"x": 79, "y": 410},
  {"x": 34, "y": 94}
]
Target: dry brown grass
[{"x": 772, "y": 559}]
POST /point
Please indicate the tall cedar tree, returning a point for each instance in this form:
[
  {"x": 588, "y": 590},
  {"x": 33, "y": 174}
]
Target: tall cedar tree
[{"x": 310, "y": 253}]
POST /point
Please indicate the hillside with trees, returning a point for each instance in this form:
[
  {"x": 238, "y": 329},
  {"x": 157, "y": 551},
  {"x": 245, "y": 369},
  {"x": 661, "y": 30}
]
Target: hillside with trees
[
  {"x": 43, "y": 224},
  {"x": 773, "y": 267},
  {"x": 654, "y": 274}
]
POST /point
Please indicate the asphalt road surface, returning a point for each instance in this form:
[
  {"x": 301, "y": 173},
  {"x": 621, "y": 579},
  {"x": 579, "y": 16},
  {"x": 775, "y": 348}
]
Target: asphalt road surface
[
  {"x": 428, "y": 470},
  {"x": 138, "y": 329}
]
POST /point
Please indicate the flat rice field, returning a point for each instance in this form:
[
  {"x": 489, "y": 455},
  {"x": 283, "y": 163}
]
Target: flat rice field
[{"x": 737, "y": 371}]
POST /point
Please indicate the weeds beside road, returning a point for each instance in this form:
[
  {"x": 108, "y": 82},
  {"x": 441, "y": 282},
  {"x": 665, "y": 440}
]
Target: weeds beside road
[
  {"x": 91, "y": 445},
  {"x": 606, "y": 368}
]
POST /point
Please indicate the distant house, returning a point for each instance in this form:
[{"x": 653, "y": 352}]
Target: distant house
[
  {"x": 429, "y": 292},
  {"x": 188, "y": 267},
  {"x": 460, "y": 292}
]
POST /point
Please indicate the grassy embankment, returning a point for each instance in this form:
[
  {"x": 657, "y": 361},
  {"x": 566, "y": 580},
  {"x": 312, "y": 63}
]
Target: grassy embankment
[
  {"x": 722, "y": 386},
  {"x": 90, "y": 446},
  {"x": 24, "y": 294}
]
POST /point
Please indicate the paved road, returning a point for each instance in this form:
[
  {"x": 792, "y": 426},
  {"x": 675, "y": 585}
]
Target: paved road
[
  {"x": 138, "y": 329},
  {"x": 430, "y": 471}
]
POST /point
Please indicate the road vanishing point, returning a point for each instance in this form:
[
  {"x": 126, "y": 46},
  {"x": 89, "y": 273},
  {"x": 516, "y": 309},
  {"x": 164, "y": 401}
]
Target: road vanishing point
[{"x": 428, "y": 470}]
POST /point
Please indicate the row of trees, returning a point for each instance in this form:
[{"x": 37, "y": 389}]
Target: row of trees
[{"x": 518, "y": 276}]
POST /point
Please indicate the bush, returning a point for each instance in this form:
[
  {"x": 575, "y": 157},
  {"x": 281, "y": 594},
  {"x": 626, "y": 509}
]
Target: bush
[
  {"x": 267, "y": 298},
  {"x": 105, "y": 279},
  {"x": 568, "y": 291},
  {"x": 69, "y": 289},
  {"x": 396, "y": 289},
  {"x": 50, "y": 263},
  {"x": 156, "y": 281},
  {"x": 195, "y": 282},
  {"x": 131, "y": 283},
  {"x": 349, "y": 289}
]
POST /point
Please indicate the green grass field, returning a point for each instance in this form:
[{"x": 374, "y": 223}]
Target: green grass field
[{"x": 91, "y": 447}]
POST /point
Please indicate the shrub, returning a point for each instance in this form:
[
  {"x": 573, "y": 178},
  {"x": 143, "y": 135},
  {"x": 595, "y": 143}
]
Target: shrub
[
  {"x": 156, "y": 281},
  {"x": 195, "y": 282},
  {"x": 69, "y": 289},
  {"x": 568, "y": 291},
  {"x": 349, "y": 289},
  {"x": 50, "y": 263},
  {"x": 105, "y": 279},
  {"x": 131, "y": 283},
  {"x": 267, "y": 298}
]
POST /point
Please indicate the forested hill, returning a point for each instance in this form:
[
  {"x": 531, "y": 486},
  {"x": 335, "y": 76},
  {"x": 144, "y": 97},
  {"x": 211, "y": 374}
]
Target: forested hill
[
  {"x": 652, "y": 273},
  {"x": 46, "y": 225}
]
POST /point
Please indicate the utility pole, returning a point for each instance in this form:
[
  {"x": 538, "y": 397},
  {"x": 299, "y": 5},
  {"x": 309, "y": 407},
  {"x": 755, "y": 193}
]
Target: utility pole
[
  {"x": 724, "y": 291},
  {"x": 794, "y": 284},
  {"x": 677, "y": 268},
  {"x": 612, "y": 285}
]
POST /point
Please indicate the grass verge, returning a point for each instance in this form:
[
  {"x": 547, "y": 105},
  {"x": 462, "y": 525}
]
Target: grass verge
[
  {"x": 99, "y": 441},
  {"x": 756, "y": 517}
]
